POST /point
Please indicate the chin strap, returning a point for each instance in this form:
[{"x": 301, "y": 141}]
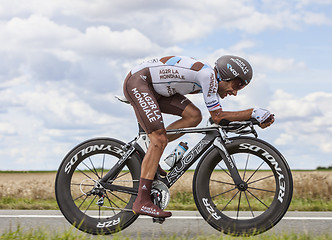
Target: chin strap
[
  {"x": 218, "y": 78},
  {"x": 218, "y": 75}
]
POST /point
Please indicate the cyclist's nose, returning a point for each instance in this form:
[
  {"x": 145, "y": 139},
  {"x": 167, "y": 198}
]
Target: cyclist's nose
[{"x": 234, "y": 92}]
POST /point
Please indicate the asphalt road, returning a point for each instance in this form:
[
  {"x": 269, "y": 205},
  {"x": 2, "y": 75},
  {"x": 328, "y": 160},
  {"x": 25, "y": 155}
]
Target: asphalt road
[{"x": 188, "y": 223}]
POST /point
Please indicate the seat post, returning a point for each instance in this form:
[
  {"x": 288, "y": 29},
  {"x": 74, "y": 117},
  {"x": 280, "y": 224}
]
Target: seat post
[{"x": 140, "y": 129}]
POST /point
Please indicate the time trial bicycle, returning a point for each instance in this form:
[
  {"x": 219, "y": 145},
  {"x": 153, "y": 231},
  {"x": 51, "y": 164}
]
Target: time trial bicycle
[{"x": 242, "y": 185}]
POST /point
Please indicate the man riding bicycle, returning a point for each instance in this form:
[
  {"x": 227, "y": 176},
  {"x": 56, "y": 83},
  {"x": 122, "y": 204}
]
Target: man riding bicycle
[{"x": 159, "y": 85}]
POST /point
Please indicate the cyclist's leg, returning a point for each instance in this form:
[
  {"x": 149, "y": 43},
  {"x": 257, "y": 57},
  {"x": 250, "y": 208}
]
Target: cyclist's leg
[
  {"x": 138, "y": 90},
  {"x": 143, "y": 203},
  {"x": 158, "y": 142},
  {"x": 181, "y": 106}
]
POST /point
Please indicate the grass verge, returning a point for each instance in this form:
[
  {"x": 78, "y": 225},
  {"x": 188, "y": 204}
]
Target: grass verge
[
  {"x": 41, "y": 234},
  {"x": 185, "y": 201},
  {"x": 28, "y": 204},
  {"x": 179, "y": 201}
]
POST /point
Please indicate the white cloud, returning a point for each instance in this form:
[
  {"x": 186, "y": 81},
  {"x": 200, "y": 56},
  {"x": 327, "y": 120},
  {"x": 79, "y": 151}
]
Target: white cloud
[
  {"x": 14, "y": 82},
  {"x": 276, "y": 64},
  {"x": 44, "y": 121},
  {"x": 7, "y": 129},
  {"x": 313, "y": 107},
  {"x": 290, "y": 107},
  {"x": 303, "y": 3},
  {"x": 60, "y": 105},
  {"x": 316, "y": 18},
  {"x": 307, "y": 119},
  {"x": 62, "y": 61},
  {"x": 177, "y": 21},
  {"x": 39, "y": 33},
  {"x": 102, "y": 41},
  {"x": 42, "y": 49},
  {"x": 242, "y": 45},
  {"x": 260, "y": 62},
  {"x": 36, "y": 32}
]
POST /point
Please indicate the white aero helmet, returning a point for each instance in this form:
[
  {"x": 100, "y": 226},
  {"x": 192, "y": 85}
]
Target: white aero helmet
[{"x": 229, "y": 67}]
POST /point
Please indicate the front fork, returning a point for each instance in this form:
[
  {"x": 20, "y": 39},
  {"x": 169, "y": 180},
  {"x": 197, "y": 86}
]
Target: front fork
[{"x": 221, "y": 146}]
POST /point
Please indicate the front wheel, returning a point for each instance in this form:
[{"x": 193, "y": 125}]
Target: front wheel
[
  {"x": 250, "y": 209},
  {"x": 83, "y": 200}
]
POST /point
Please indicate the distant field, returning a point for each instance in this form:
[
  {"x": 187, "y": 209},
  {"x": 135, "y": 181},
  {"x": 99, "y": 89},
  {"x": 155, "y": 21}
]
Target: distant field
[{"x": 312, "y": 190}]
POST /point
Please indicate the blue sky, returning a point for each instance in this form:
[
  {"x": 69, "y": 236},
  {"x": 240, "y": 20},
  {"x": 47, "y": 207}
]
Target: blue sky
[{"x": 62, "y": 62}]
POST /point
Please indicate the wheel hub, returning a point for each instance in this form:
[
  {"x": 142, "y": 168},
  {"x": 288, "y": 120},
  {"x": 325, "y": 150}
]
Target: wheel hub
[{"x": 243, "y": 186}]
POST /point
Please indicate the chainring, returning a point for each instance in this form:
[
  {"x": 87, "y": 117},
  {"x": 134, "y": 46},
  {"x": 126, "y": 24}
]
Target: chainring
[{"x": 160, "y": 190}]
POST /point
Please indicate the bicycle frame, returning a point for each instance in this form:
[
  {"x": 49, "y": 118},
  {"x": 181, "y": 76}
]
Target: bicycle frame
[
  {"x": 141, "y": 142},
  {"x": 212, "y": 137},
  {"x": 102, "y": 204}
]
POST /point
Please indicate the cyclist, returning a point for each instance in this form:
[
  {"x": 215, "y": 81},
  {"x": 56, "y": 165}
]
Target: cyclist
[{"x": 159, "y": 85}]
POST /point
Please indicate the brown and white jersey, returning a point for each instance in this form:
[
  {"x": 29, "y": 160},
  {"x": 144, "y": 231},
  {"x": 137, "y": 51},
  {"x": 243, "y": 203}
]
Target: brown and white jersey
[{"x": 182, "y": 75}]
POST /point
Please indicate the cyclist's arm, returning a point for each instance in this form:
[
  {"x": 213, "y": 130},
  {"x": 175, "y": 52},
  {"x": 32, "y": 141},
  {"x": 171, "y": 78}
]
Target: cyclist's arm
[
  {"x": 219, "y": 115},
  {"x": 210, "y": 93},
  {"x": 244, "y": 115}
]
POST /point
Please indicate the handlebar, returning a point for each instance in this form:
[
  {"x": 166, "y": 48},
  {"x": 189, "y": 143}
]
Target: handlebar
[
  {"x": 225, "y": 122},
  {"x": 238, "y": 127}
]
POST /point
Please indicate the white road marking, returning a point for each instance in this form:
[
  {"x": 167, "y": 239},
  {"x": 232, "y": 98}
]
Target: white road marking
[{"x": 174, "y": 217}]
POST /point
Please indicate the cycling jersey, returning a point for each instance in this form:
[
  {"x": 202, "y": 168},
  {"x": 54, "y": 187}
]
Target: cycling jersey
[{"x": 183, "y": 75}]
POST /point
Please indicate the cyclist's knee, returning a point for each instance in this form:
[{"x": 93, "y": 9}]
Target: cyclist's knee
[
  {"x": 197, "y": 117},
  {"x": 192, "y": 115},
  {"x": 158, "y": 139}
]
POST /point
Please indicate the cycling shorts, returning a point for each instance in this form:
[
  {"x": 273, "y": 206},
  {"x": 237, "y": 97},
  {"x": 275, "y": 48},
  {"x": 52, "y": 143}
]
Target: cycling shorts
[{"x": 148, "y": 104}]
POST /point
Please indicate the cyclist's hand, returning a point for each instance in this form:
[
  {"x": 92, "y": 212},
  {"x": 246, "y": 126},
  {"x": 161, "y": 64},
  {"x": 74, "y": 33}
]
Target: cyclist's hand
[
  {"x": 268, "y": 122},
  {"x": 264, "y": 117}
]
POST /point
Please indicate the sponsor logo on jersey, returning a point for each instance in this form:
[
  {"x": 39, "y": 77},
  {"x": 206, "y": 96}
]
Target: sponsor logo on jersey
[
  {"x": 184, "y": 100},
  {"x": 213, "y": 105},
  {"x": 147, "y": 104},
  {"x": 213, "y": 86},
  {"x": 155, "y": 60},
  {"x": 143, "y": 77},
  {"x": 170, "y": 73},
  {"x": 171, "y": 91}
]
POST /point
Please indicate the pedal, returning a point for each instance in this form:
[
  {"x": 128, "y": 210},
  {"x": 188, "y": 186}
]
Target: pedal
[{"x": 158, "y": 220}]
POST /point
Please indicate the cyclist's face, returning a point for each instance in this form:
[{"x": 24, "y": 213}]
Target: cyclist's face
[{"x": 230, "y": 87}]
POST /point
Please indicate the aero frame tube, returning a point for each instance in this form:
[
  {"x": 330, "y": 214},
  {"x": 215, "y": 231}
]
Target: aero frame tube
[{"x": 188, "y": 160}]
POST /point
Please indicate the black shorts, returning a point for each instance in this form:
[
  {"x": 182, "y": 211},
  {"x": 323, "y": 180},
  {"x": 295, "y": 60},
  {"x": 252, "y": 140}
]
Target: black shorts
[{"x": 148, "y": 104}]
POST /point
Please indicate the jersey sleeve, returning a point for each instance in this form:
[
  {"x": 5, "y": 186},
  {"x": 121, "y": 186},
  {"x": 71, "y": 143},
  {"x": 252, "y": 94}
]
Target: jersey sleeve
[{"x": 209, "y": 84}]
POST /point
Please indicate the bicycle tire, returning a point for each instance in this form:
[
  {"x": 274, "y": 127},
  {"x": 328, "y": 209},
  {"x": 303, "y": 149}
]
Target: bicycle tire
[
  {"x": 77, "y": 192},
  {"x": 255, "y": 209}
]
